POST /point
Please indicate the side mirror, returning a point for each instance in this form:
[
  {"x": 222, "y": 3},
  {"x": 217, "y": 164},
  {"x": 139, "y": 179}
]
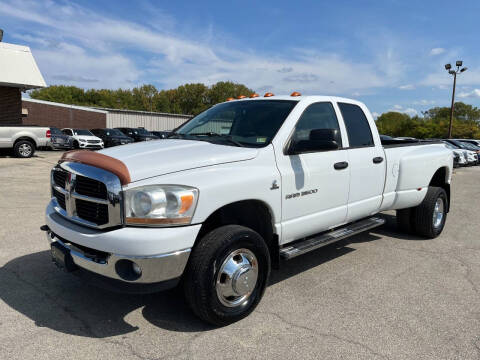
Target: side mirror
[{"x": 319, "y": 140}]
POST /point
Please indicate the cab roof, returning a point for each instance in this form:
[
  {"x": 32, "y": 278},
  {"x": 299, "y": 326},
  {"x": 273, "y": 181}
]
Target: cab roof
[{"x": 307, "y": 98}]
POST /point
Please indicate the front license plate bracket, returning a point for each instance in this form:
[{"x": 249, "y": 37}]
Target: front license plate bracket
[{"x": 61, "y": 257}]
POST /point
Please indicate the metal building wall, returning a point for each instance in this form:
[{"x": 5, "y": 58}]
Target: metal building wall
[{"x": 147, "y": 120}]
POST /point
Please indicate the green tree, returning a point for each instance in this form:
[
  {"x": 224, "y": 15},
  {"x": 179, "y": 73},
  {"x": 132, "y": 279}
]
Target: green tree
[
  {"x": 434, "y": 124},
  {"x": 222, "y": 90},
  {"x": 186, "y": 99}
]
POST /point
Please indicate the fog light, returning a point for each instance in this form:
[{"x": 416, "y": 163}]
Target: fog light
[
  {"x": 136, "y": 269},
  {"x": 128, "y": 270}
]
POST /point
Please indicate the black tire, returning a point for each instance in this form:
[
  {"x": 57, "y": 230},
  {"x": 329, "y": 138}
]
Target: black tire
[
  {"x": 23, "y": 149},
  {"x": 203, "y": 272},
  {"x": 76, "y": 145},
  {"x": 405, "y": 220},
  {"x": 423, "y": 216}
]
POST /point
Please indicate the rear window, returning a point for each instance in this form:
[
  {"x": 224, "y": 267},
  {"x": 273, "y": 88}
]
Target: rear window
[
  {"x": 55, "y": 131},
  {"x": 358, "y": 128}
]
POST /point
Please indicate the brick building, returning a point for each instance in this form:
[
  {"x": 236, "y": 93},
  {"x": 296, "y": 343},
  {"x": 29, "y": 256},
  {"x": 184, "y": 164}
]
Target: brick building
[{"x": 18, "y": 72}]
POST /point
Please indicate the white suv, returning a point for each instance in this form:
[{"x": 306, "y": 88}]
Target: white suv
[{"x": 83, "y": 139}]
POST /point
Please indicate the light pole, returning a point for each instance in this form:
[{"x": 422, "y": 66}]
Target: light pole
[{"x": 453, "y": 72}]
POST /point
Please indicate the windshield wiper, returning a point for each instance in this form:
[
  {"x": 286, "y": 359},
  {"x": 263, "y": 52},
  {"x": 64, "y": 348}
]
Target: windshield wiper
[
  {"x": 229, "y": 138},
  {"x": 173, "y": 134}
]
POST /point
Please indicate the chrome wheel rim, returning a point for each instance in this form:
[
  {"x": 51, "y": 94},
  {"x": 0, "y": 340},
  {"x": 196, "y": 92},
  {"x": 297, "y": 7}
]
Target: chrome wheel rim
[
  {"x": 438, "y": 213},
  {"x": 237, "y": 278},
  {"x": 25, "y": 150}
]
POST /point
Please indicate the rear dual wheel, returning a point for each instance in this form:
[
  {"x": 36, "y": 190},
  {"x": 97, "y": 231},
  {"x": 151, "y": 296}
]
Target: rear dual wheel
[{"x": 428, "y": 218}]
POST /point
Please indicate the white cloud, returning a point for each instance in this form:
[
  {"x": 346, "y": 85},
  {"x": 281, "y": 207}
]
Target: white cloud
[
  {"x": 401, "y": 109},
  {"x": 424, "y": 102},
  {"x": 437, "y": 51},
  {"x": 410, "y": 111},
  {"x": 475, "y": 93},
  {"x": 97, "y": 50},
  {"x": 407, "y": 87},
  {"x": 375, "y": 115},
  {"x": 442, "y": 80}
]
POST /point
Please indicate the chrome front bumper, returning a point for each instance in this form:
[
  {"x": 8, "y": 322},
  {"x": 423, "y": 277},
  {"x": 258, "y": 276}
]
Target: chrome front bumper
[{"x": 154, "y": 269}]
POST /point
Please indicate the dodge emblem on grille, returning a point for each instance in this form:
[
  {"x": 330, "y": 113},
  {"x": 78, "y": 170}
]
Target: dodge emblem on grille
[{"x": 69, "y": 187}]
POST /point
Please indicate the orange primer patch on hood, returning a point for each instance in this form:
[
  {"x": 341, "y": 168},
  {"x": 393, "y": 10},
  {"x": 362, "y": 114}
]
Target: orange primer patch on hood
[{"x": 101, "y": 161}]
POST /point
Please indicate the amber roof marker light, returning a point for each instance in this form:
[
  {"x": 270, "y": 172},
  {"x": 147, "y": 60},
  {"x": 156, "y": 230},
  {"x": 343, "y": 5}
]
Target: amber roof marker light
[
  {"x": 295, "y": 93},
  {"x": 254, "y": 95},
  {"x": 268, "y": 94},
  {"x": 230, "y": 99},
  {"x": 241, "y": 97}
]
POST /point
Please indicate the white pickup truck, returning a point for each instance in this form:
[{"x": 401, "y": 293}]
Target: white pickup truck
[
  {"x": 235, "y": 191},
  {"x": 24, "y": 140}
]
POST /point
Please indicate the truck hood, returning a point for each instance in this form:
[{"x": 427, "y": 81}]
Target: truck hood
[
  {"x": 87, "y": 137},
  {"x": 160, "y": 157}
]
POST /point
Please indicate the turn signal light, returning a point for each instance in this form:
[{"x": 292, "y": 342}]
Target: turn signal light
[
  {"x": 254, "y": 95},
  {"x": 230, "y": 99},
  {"x": 241, "y": 97},
  {"x": 268, "y": 94},
  {"x": 295, "y": 93}
]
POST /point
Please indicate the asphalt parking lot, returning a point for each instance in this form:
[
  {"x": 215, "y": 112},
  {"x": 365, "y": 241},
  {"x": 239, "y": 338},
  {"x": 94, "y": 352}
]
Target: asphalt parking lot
[{"x": 379, "y": 295}]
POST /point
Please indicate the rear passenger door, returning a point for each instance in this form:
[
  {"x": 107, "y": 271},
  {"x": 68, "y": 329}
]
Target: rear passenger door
[{"x": 366, "y": 163}]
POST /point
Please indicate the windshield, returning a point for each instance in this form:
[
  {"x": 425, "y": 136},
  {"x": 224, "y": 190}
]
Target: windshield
[
  {"x": 450, "y": 146},
  {"x": 469, "y": 146},
  {"x": 82, "y": 132},
  {"x": 114, "y": 132},
  {"x": 243, "y": 123},
  {"x": 55, "y": 131},
  {"x": 142, "y": 131}
]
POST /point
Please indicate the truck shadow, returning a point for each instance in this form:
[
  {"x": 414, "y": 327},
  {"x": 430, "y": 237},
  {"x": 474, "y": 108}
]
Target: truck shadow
[
  {"x": 390, "y": 229},
  {"x": 69, "y": 304}
]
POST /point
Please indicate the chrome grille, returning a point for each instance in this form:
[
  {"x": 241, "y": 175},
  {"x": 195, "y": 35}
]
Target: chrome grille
[
  {"x": 93, "y": 212},
  {"x": 89, "y": 187},
  {"x": 59, "y": 178},
  {"x": 60, "y": 198},
  {"x": 93, "y": 141},
  {"x": 87, "y": 195}
]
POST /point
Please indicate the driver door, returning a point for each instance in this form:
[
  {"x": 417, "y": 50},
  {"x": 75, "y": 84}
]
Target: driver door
[{"x": 314, "y": 187}]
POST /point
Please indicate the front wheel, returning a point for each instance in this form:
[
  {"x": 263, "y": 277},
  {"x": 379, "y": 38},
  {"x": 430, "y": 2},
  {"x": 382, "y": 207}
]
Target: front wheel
[{"x": 227, "y": 274}]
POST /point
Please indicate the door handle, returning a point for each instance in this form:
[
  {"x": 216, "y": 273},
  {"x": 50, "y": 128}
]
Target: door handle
[
  {"x": 340, "y": 165},
  {"x": 377, "y": 160}
]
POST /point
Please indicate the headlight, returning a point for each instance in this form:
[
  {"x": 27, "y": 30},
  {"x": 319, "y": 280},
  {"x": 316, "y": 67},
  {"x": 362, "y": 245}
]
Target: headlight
[
  {"x": 82, "y": 140},
  {"x": 160, "y": 205}
]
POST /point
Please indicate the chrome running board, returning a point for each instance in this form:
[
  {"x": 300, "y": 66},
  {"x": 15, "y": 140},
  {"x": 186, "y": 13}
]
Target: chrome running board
[{"x": 317, "y": 241}]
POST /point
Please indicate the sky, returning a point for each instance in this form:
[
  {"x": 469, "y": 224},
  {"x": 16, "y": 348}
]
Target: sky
[{"x": 389, "y": 54}]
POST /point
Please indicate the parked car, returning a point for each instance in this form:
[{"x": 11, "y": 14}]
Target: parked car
[
  {"x": 58, "y": 140},
  {"x": 405, "y": 138},
  {"x": 161, "y": 134},
  {"x": 471, "y": 141},
  {"x": 83, "y": 139},
  {"x": 24, "y": 140},
  {"x": 473, "y": 148},
  {"x": 293, "y": 174},
  {"x": 112, "y": 137},
  {"x": 460, "y": 155},
  {"x": 138, "y": 134},
  {"x": 472, "y": 151}
]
